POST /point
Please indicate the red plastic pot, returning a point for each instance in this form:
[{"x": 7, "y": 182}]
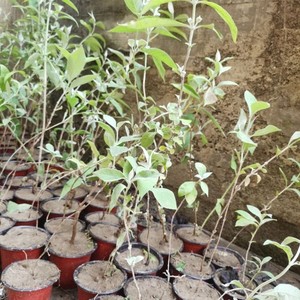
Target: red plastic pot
[
  {"x": 27, "y": 196},
  {"x": 85, "y": 292},
  {"x": 189, "y": 244},
  {"x": 106, "y": 241},
  {"x": 13, "y": 254},
  {"x": 25, "y": 220},
  {"x": 57, "y": 208},
  {"x": 14, "y": 292},
  {"x": 67, "y": 266}
]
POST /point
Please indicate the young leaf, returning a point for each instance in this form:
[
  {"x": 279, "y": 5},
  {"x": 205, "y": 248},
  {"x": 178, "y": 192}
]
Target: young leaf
[
  {"x": 267, "y": 130},
  {"x": 186, "y": 188},
  {"x": 13, "y": 207},
  {"x": 154, "y": 3},
  {"x": 134, "y": 6},
  {"x": 145, "y": 23},
  {"x": 225, "y": 16},
  {"x": 162, "y": 56},
  {"x": 82, "y": 80},
  {"x": 118, "y": 189},
  {"x": 70, "y": 4},
  {"x": 294, "y": 137},
  {"x": 258, "y": 106},
  {"x": 109, "y": 175},
  {"x": 75, "y": 63},
  {"x": 71, "y": 184},
  {"x": 204, "y": 188},
  {"x": 165, "y": 198}
]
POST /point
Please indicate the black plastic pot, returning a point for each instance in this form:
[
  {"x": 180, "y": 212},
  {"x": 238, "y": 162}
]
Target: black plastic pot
[{"x": 140, "y": 268}]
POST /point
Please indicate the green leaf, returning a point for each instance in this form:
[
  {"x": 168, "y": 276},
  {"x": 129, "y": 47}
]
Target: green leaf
[
  {"x": 165, "y": 198},
  {"x": 75, "y": 63},
  {"x": 186, "y": 188},
  {"x": 118, "y": 150},
  {"x": 288, "y": 251},
  {"x": 70, "y": 4},
  {"x": 110, "y": 120},
  {"x": 204, "y": 188},
  {"x": 294, "y": 137},
  {"x": 160, "y": 67},
  {"x": 82, "y": 80},
  {"x": 245, "y": 138},
  {"x": 145, "y": 23},
  {"x": 155, "y": 3},
  {"x": 147, "y": 139},
  {"x": 255, "y": 211},
  {"x": 13, "y": 207},
  {"x": 109, "y": 175},
  {"x": 258, "y": 106},
  {"x": 162, "y": 56},
  {"x": 244, "y": 219},
  {"x": 145, "y": 185},
  {"x": 109, "y": 135},
  {"x": 94, "y": 149},
  {"x": 118, "y": 189},
  {"x": 225, "y": 16},
  {"x": 71, "y": 184},
  {"x": 135, "y": 6},
  {"x": 267, "y": 130}
]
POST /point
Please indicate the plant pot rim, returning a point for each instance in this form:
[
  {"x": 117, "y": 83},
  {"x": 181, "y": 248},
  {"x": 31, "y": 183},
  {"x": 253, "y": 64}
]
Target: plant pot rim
[
  {"x": 12, "y": 248},
  {"x": 6, "y": 229},
  {"x": 204, "y": 277},
  {"x": 142, "y": 278},
  {"x": 223, "y": 289},
  {"x": 98, "y": 212},
  {"x": 78, "y": 269},
  {"x": 49, "y": 282},
  {"x": 86, "y": 253},
  {"x": 177, "y": 227},
  {"x": 195, "y": 280},
  {"x": 143, "y": 246},
  {"x": 57, "y": 213},
  {"x": 239, "y": 257},
  {"x": 99, "y": 238},
  {"x": 62, "y": 218},
  {"x": 40, "y": 214}
]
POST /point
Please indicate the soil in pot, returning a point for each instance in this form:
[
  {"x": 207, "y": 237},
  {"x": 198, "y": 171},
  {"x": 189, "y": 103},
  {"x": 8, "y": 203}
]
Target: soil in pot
[
  {"x": 105, "y": 235},
  {"x": 5, "y": 195},
  {"x": 187, "y": 288},
  {"x": 30, "y": 279},
  {"x": 151, "y": 287},
  {"x": 156, "y": 240},
  {"x": 225, "y": 257},
  {"x": 68, "y": 256},
  {"x": 17, "y": 182},
  {"x": 98, "y": 278},
  {"x": 102, "y": 217},
  {"x": 59, "y": 208},
  {"x": 25, "y": 217},
  {"x": 79, "y": 193},
  {"x": 224, "y": 276},
  {"x": 149, "y": 263},
  {"x": 194, "y": 241},
  {"x": 192, "y": 265},
  {"x": 61, "y": 224},
  {"x": 5, "y": 224},
  {"x": 32, "y": 196},
  {"x": 15, "y": 168},
  {"x": 98, "y": 202},
  {"x": 22, "y": 242}
]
